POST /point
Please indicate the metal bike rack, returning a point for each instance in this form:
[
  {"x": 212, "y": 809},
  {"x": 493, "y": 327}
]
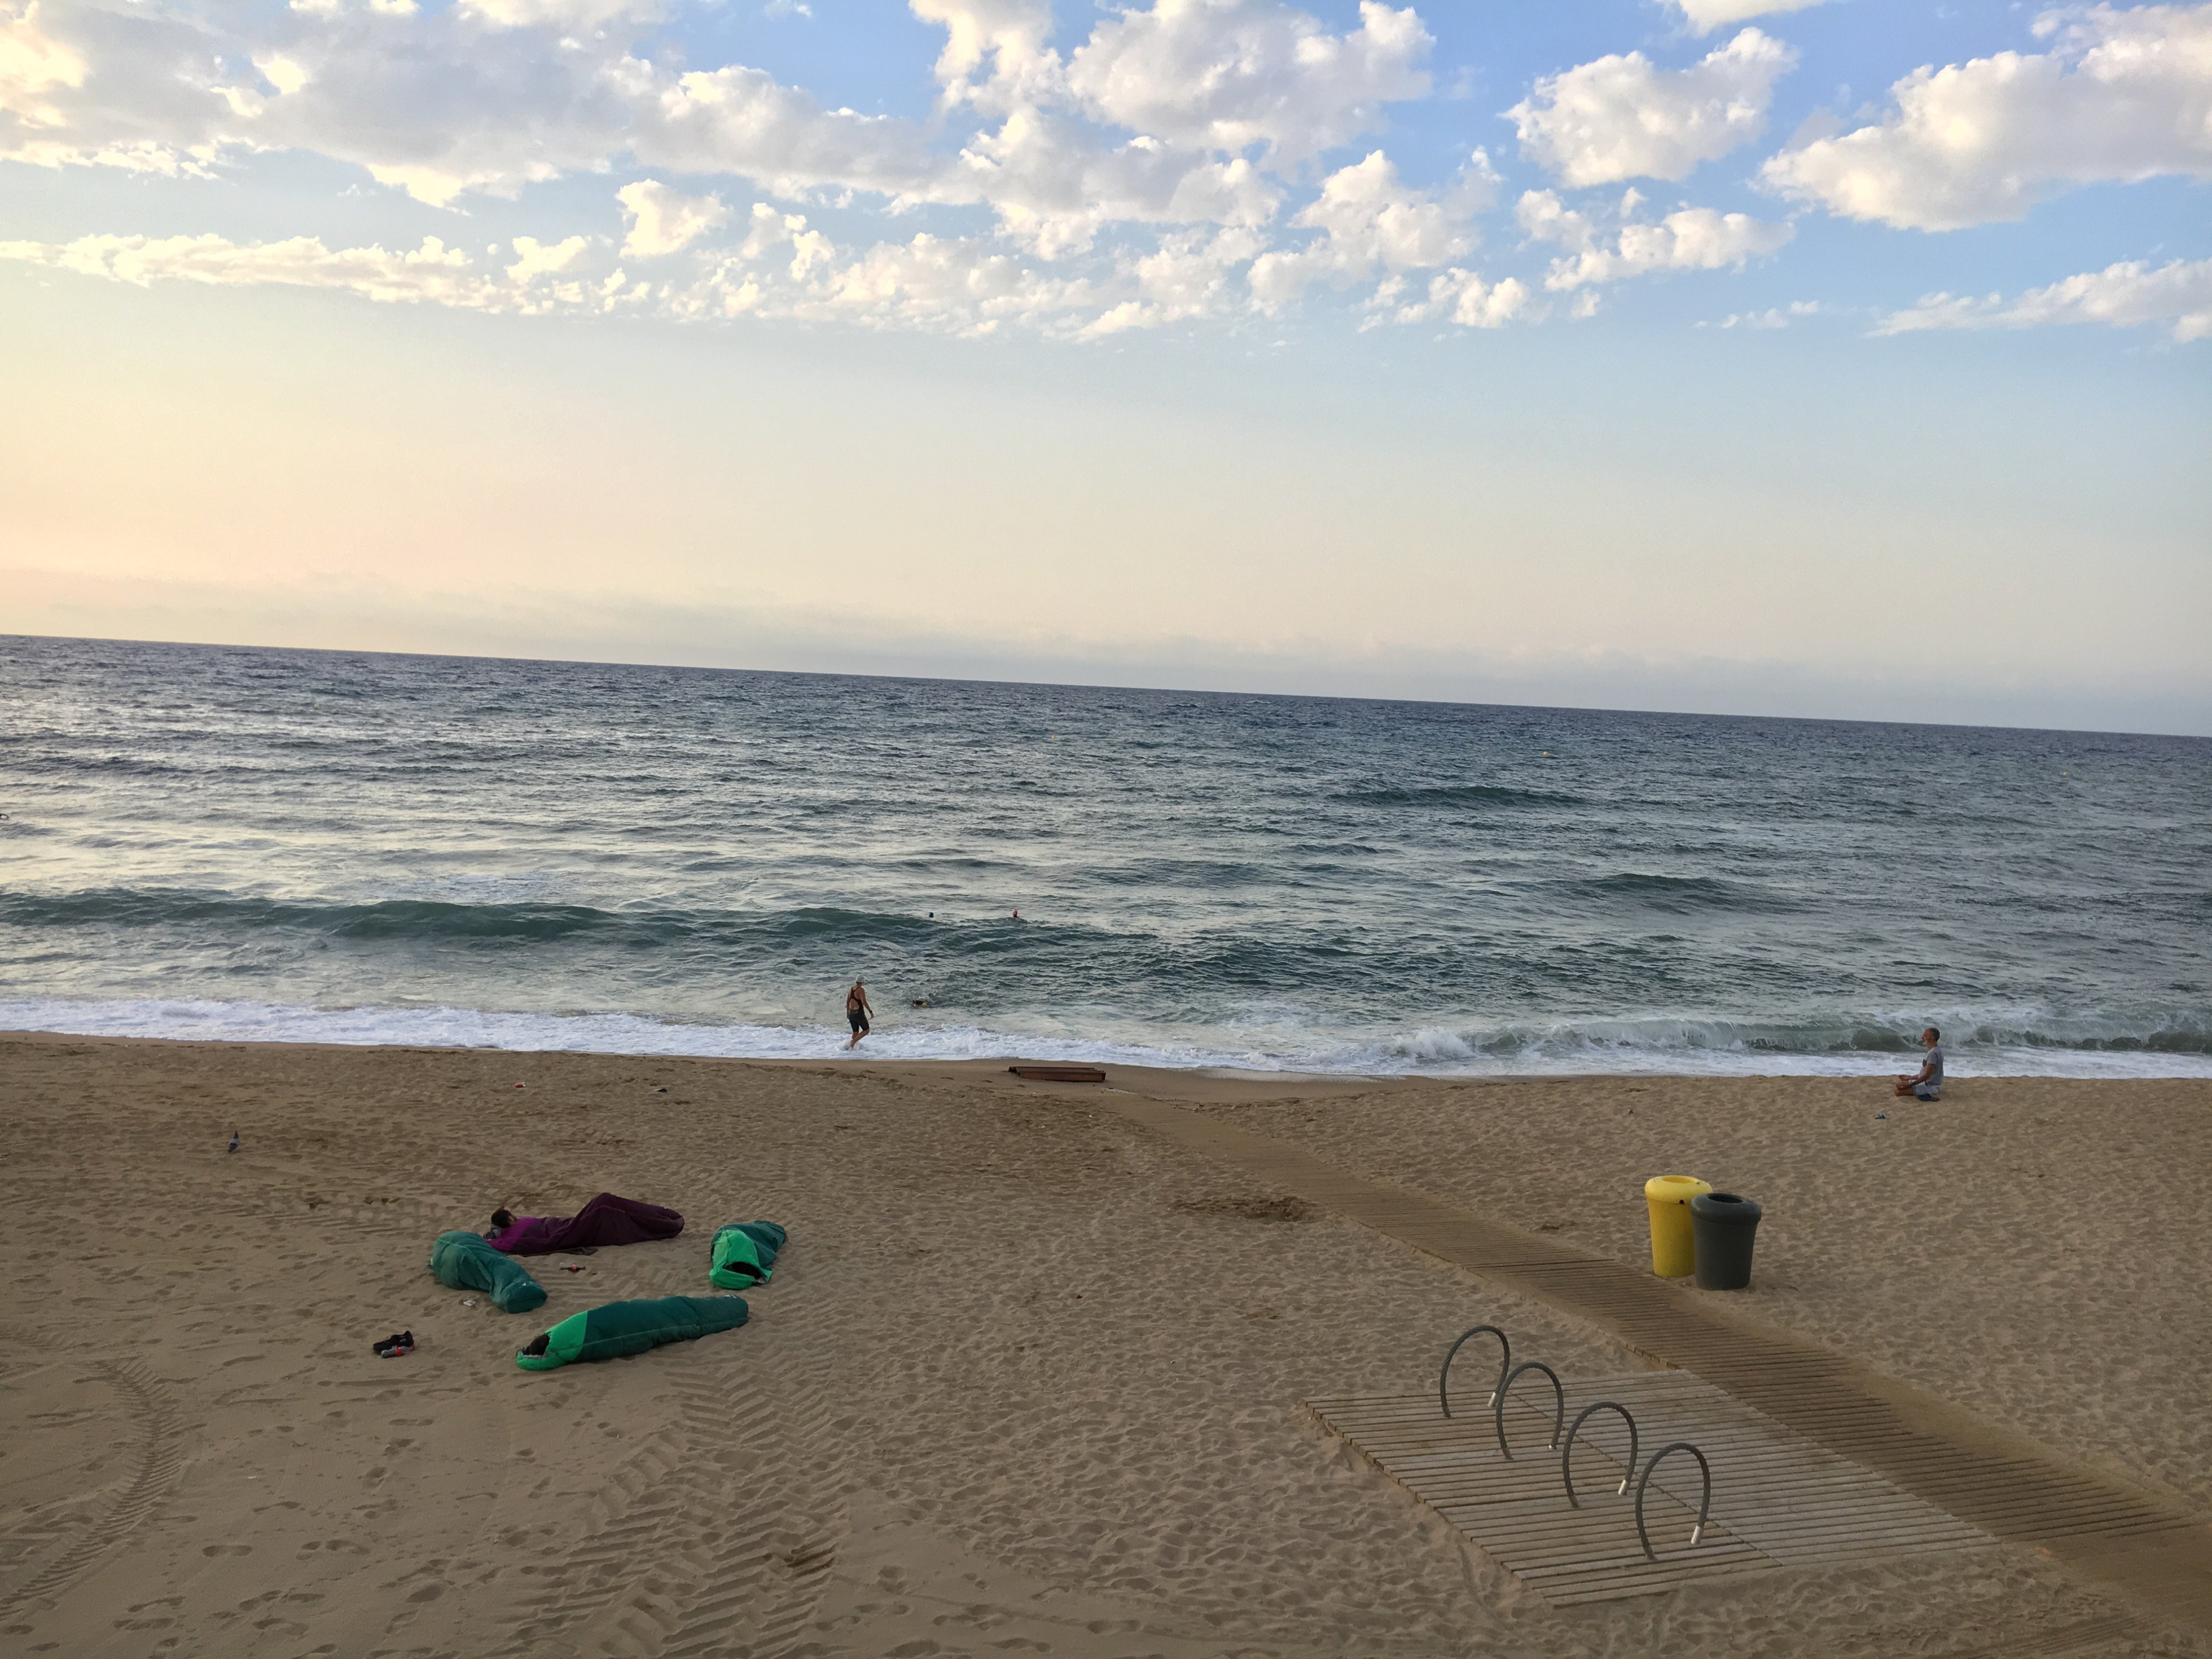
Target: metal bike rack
[
  {"x": 1504, "y": 1359},
  {"x": 1704, "y": 1502},
  {"x": 1497, "y": 1403},
  {"x": 1567, "y": 1453}
]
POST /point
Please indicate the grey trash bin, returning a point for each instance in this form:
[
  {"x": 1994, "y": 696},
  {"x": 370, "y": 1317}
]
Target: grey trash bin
[{"x": 1722, "y": 1226}]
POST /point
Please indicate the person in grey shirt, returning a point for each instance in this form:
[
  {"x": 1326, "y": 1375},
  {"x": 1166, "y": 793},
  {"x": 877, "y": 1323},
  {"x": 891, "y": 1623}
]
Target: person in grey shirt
[{"x": 1926, "y": 1084}]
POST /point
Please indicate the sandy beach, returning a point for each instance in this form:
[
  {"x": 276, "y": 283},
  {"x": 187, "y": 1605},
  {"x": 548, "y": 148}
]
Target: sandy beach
[{"x": 1028, "y": 1377}]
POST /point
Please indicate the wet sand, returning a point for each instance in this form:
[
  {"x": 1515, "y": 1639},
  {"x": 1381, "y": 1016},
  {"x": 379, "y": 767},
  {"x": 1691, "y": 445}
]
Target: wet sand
[{"x": 1027, "y": 1379}]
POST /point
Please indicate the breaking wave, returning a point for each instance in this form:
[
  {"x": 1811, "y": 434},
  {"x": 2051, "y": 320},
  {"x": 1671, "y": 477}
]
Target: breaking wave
[{"x": 1987, "y": 1045}]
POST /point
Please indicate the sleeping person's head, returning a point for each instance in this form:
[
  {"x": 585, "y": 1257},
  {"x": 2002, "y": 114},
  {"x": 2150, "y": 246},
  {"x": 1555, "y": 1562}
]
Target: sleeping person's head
[{"x": 501, "y": 1220}]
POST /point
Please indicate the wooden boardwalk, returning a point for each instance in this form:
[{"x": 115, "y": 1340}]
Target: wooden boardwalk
[
  {"x": 1778, "y": 1500},
  {"x": 1996, "y": 1479}
]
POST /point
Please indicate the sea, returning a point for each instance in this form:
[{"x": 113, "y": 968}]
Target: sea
[{"x": 330, "y": 846}]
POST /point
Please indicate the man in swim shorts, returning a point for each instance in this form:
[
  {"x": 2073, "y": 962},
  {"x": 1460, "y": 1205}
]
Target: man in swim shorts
[
  {"x": 857, "y": 1012},
  {"x": 1926, "y": 1084}
]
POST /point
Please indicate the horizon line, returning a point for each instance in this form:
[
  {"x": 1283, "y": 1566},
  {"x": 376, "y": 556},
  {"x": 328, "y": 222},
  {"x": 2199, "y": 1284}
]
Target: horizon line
[{"x": 1089, "y": 685}]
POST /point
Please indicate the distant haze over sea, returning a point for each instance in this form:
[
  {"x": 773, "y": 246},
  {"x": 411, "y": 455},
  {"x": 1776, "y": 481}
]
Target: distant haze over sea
[{"x": 324, "y": 846}]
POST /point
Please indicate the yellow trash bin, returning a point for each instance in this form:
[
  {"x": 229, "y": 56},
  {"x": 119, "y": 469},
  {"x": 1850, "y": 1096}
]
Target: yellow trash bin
[{"x": 1673, "y": 1251}]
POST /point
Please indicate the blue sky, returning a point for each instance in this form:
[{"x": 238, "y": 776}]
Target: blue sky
[{"x": 1828, "y": 358}]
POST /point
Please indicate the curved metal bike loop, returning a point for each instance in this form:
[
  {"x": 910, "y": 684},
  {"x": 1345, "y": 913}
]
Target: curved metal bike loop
[
  {"x": 1504, "y": 1359},
  {"x": 1567, "y": 1452},
  {"x": 1558, "y": 1397},
  {"x": 1704, "y": 1502}
]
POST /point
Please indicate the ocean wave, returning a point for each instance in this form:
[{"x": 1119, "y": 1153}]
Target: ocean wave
[
  {"x": 1676, "y": 1048},
  {"x": 1456, "y": 794},
  {"x": 1682, "y": 895},
  {"x": 442, "y": 919}
]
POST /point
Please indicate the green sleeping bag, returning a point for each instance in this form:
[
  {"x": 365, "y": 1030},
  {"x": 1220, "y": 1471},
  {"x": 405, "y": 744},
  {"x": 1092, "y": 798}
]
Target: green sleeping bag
[
  {"x": 463, "y": 1262},
  {"x": 745, "y": 1253},
  {"x": 622, "y": 1327}
]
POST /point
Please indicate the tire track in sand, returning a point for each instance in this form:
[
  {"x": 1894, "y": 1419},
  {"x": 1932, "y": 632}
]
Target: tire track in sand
[
  {"x": 717, "y": 1538},
  {"x": 775, "y": 1512},
  {"x": 160, "y": 1458},
  {"x": 629, "y": 1515}
]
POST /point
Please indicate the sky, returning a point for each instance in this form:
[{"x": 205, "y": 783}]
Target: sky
[{"x": 1835, "y": 359}]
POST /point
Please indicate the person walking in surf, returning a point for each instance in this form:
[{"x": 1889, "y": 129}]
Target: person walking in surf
[{"x": 857, "y": 1013}]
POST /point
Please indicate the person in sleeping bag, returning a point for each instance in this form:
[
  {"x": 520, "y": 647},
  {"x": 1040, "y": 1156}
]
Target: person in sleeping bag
[
  {"x": 464, "y": 1261},
  {"x": 616, "y": 1328},
  {"x": 744, "y": 1254},
  {"x": 609, "y": 1218}
]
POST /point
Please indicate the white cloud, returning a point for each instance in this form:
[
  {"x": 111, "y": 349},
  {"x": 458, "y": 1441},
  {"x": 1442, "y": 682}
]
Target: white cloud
[
  {"x": 744, "y": 121},
  {"x": 1706, "y": 15},
  {"x": 1369, "y": 220},
  {"x": 1689, "y": 238},
  {"x": 64, "y": 101},
  {"x": 771, "y": 232},
  {"x": 957, "y": 284},
  {"x": 555, "y": 13},
  {"x": 432, "y": 272},
  {"x": 1055, "y": 187},
  {"x": 544, "y": 278},
  {"x": 1465, "y": 297},
  {"x": 2129, "y": 295},
  {"x": 429, "y": 104},
  {"x": 534, "y": 259},
  {"x": 30, "y": 63},
  {"x": 281, "y": 73},
  {"x": 933, "y": 279},
  {"x": 1624, "y": 117},
  {"x": 1193, "y": 203},
  {"x": 426, "y": 104},
  {"x": 1189, "y": 275},
  {"x": 1774, "y": 317},
  {"x": 1230, "y": 75},
  {"x": 2123, "y": 96},
  {"x": 784, "y": 268},
  {"x": 1006, "y": 35},
  {"x": 1545, "y": 218},
  {"x": 662, "y": 221}
]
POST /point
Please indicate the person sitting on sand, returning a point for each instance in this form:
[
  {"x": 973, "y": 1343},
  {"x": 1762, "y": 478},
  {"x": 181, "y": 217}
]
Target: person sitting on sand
[
  {"x": 1926, "y": 1084},
  {"x": 857, "y": 1013}
]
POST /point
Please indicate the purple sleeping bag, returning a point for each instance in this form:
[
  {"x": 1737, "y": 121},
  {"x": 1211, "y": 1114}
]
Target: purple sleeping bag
[{"x": 607, "y": 1219}]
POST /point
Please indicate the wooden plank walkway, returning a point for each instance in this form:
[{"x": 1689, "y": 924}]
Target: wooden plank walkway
[
  {"x": 1778, "y": 1498},
  {"x": 1996, "y": 1479}
]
